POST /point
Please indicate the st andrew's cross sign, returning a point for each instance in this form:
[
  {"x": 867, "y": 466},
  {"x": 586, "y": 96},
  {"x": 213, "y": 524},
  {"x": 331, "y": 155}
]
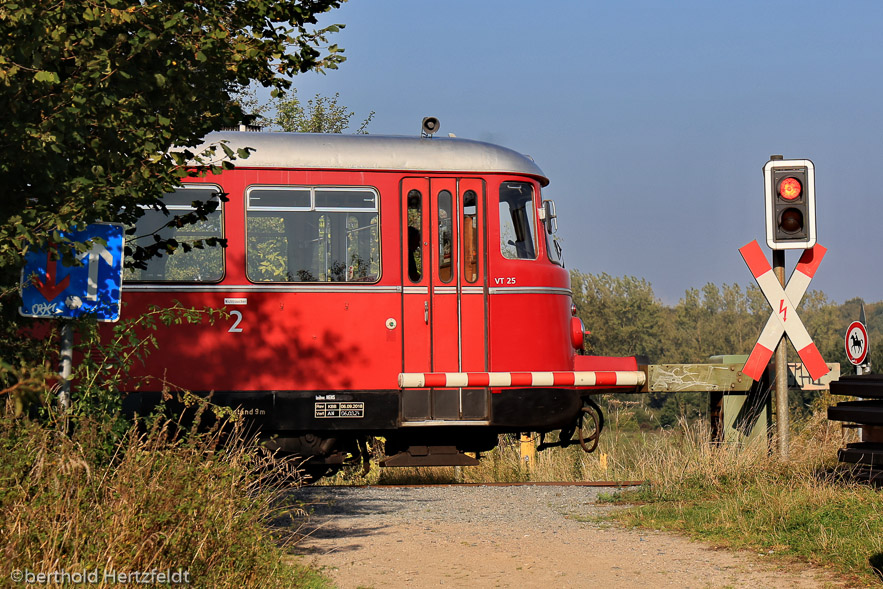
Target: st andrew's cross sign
[{"x": 784, "y": 318}]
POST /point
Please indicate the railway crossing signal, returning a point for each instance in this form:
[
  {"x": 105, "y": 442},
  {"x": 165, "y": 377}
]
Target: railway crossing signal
[
  {"x": 784, "y": 318},
  {"x": 790, "y": 200}
]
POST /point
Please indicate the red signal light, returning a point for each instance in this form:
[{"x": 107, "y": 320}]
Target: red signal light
[{"x": 790, "y": 188}]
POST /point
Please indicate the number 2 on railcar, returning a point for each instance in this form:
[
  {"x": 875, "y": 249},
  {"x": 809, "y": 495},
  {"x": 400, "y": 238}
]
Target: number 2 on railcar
[{"x": 405, "y": 287}]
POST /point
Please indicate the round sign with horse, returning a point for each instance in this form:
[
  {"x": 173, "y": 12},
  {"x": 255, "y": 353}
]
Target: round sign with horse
[{"x": 856, "y": 343}]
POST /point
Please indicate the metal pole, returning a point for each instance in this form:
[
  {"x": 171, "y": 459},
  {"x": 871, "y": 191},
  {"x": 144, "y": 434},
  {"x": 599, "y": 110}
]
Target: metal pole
[
  {"x": 67, "y": 354},
  {"x": 782, "y": 417},
  {"x": 865, "y": 367}
]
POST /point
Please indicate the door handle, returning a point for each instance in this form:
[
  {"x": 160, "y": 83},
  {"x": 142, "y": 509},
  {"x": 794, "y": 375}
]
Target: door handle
[{"x": 426, "y": 312}]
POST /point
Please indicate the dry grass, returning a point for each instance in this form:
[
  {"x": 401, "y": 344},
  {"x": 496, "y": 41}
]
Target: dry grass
[
  {"x": 158, "y": 499},
  {"x": 664, "y": 458}
]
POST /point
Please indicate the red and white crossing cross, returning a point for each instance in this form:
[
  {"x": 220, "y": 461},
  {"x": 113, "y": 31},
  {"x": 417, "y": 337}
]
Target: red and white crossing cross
[{"x": 784, "y": 318}]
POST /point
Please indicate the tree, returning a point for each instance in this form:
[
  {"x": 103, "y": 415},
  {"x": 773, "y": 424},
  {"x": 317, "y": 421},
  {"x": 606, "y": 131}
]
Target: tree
[
  {"x": 622, "y": 313},
  {"x": 321, "y": 114},
  {"x": 96, "y": 93}
]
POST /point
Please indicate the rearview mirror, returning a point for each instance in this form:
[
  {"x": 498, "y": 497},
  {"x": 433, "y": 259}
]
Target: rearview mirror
[{"x": 550, "y": 217}]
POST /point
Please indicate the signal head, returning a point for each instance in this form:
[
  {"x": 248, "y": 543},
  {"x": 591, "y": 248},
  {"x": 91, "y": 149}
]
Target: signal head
[{"x": 789, "y": 198}]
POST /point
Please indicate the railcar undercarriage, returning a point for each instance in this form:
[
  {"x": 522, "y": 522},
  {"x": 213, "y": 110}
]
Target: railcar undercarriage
[
  {"x": 325, "y": 452},
  {"x": 575, "y": 417}
]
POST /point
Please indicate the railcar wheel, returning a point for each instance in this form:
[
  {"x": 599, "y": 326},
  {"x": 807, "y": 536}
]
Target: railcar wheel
[{"x": 588, "y": 440}]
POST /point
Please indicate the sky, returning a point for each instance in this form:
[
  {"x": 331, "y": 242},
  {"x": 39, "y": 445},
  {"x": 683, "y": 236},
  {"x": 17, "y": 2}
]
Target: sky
[{"x": 652, "y": 119}]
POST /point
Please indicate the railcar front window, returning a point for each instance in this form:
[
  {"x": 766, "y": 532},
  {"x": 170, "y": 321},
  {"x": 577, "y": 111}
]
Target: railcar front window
[
  {"x": 445, "y": 236},
  {"x": 415, "y": 235},
  {"x": 201, "y": 263},
  {"x": 312, "y": 234},
  {"x": 517, "y": 241},
  {"x": 470, "y": 236}
]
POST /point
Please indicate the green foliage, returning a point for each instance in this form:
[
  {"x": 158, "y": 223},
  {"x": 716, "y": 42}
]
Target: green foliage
[
  {"x": 321, "y": 114},
  {"x": 95, "y": 95},
  {"x": 105, "y": 108},
  {"x": 622, "y": 314}
]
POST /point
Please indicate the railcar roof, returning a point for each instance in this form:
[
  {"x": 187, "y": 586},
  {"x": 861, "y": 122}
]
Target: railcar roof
[{"x": 376, "y": 152}]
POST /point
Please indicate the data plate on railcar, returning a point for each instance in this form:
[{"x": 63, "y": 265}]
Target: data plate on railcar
[{"x": 326, "y": 409}]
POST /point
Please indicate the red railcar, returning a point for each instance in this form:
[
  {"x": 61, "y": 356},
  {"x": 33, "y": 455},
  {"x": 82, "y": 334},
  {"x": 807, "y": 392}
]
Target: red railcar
[{"x": 408, "y": 287}]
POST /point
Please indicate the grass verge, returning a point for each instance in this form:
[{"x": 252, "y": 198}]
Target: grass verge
[
  {"x": 154, "y": 500},
  {"x": 804, "y": 509}
]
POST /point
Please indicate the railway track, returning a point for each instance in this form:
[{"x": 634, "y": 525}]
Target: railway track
[{"x": 612, "y": 484}]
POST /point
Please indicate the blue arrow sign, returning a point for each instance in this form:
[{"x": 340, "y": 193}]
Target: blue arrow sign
[{"x": 51, "y": 290}]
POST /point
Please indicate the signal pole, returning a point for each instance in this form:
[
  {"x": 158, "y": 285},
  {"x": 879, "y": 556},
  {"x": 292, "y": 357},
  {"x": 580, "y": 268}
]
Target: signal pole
[
  {"x": 782, "y": 417},
  {"x": 790, "y": 202}
]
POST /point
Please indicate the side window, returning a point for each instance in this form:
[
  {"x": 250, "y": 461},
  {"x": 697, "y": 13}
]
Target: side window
[
  {"x": 517, "y": 241},
  {"x": 312, "y": 234},
  {"x": 445, "y": 236},
  {"x": 198, "y": 264},
  {"x": 470, "y": 236},
  {"x": 554, "y": 250},
  {"x": 415, "y": 235}
]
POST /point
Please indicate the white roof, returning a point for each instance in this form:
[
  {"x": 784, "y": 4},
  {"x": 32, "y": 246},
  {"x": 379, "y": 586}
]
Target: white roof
[{"x": 375, "y": 152}]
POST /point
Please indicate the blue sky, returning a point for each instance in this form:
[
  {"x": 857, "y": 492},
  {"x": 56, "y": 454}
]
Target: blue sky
[{"x": 652, "y": 119}]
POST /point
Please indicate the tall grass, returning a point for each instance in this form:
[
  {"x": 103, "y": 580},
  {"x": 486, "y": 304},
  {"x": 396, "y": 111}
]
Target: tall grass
[
  {"x": 672, "y": 460},
  {"x": 157, "y": 499}
]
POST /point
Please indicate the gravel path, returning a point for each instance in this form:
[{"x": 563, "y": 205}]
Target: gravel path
[{"x": 526, "y": 536}]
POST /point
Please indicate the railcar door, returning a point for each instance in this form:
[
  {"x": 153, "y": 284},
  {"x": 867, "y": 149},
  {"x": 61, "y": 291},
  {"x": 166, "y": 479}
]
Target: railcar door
[{"x": 444, "y": 293}]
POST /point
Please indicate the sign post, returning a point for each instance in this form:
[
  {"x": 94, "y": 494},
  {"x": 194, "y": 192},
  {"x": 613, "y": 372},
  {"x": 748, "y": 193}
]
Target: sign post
[
  {"x": 52, "y": 290},
  {"x": 783, "y": 418}
]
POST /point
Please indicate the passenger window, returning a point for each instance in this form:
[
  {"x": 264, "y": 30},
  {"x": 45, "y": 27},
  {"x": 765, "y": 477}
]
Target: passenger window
[
  {"x": 470, "y": 236},
  {"x": 415, "y": 235},
  {"x": 445, "y": 236},
  {"x": 312, "y": 234},
  {"x": 517, "y": 213},
  {"x": 200, "y": 263}
]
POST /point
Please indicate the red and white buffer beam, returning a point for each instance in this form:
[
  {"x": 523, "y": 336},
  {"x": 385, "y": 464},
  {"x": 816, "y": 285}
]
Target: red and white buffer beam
[
  {"x": 595, "y": 378},
  {"x": 784, "y": 318}
]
